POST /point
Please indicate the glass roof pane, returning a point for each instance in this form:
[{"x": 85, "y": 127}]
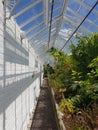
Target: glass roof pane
[
  {"x": 94, "y": 18},
  {"x": 90, "y": 3},
  {"x": 82, "y": 11},
  {"x": 33, "y": 21},
  {"x": 89, "y": 27},
  {"x": 57, "y": 13},
  {"x": 57, "y": 3},
  {"x": 36, "y": 30},
  {"x": 96, "y": 8},
  {"x": 43, "y": 35},
  {"x": 74, "y": 4},
  {"x": 29, "y": 13},
  {"x": 66, "y": 25},
  {"x": 22, "y": 4}
]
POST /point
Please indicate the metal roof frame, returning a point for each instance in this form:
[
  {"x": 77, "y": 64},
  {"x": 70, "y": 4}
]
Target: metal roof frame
[
  {"x": 46, "y": 11},
  {"x": 69, "y": 21},
  {"x": 30, "y": 20},
  {"x": 18, "y": 1},
  {"x": 61, "y": 20},
  {"x": 36, "y": 34},
  {"x": 79, "y": 25},
  {"x": 86, "y": 6},
  {"x": 81, "y": 17},
  {"x": 63, "y": 16},
  {"x": 26, "y": 8},
  {"x": 34, "y": 27}
]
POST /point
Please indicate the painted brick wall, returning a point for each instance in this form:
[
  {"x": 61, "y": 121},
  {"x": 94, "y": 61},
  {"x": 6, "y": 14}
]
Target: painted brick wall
[{"x": 19, "y": 91}]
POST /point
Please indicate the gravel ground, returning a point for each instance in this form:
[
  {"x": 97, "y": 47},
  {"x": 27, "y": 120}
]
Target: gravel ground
[{"x": 44, "y": 118}]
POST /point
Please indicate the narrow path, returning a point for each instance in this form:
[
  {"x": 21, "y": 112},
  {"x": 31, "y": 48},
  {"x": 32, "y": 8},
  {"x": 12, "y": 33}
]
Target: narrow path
[{"x": 44, "y": 118}]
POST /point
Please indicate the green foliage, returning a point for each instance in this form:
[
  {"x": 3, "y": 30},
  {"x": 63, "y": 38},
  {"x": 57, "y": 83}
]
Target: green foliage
[
  {"x": 80, "y": 127},
  {"x": 48, "y": 70},
  {"x": 86, "y": 94},
  {"x": 77, "y": 73},
  {"x": 93, "y": 74},
  {"x": 85, "y": 52},
  {"x": 62, "y": 68},
  {"x": 85, "y": 73},
  {"x": 66, "y": 106}
]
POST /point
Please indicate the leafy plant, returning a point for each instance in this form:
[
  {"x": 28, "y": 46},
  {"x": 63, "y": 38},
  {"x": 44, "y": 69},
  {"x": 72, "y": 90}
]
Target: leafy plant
[
  {"x": 66, "y": 106},
  {"x": 62, "y": 68},
  {"x": 85, "y": 52},
  {"x": 76, "y": 76},
  {"x": 93, "y": 73}
]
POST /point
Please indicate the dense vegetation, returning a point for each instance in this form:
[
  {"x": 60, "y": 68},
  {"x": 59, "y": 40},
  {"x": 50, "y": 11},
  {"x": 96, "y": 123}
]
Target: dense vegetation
[{"x": 74, "y": 79}]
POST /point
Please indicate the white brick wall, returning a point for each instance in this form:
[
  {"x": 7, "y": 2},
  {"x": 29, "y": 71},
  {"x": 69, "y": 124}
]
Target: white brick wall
[{"x": 18, "y": 90}]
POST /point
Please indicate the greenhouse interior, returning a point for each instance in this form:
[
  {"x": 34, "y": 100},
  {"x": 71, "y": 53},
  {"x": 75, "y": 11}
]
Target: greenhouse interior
[{"x": 49, "y": 65}]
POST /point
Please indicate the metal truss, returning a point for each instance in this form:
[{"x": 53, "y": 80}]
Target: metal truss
[
  {"x": 26, "y": 8},
  {"x": 70, "y": 22},
  {"x": 14, "y": 6},
  {"x": 61, "y": 20},
  {"x": 46, "y": 11},
  {"x": 86, "y": 6},
  {"x": 43, "y": 39},
  {"x": 34, "y": 27},
  {"x": 30, "y": 20},
  {"x": 40, "y": 31},
  {"x": 81, "y": 17},
  {"x": 34, "y": 18},
  {"x": 79, "y": 25}
]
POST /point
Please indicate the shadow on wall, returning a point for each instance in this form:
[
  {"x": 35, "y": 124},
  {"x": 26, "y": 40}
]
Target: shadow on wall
[
  {"x": 15, "y": 102},
  {"x": 16, "y": 86},
  {"x": 10, "y": 93}
]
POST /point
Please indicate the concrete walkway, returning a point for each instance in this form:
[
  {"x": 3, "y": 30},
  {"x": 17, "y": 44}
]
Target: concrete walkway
[{"x": 44, "y": 118}]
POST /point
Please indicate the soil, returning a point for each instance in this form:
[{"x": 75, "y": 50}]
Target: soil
[{"x": 87, "y": 120}]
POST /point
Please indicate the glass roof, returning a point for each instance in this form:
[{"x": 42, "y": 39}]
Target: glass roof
[{"x": 48, "y": 23}]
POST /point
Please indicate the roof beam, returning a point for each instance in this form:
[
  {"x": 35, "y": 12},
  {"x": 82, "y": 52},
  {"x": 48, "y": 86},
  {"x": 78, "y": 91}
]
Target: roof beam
[
  {"x": 70, "y": 21},
  {"x": 26, "y": 8},
  {"x": 34, "y": 27},
  {"x": 86, "y": 6},
  {"x": 57, "y": 30},
  {"x": 60, "y": 22},
  {"x": 18, "y": 1},
  {"x": 41, "y": 48},
  {"x": 42, "y": 36},
  {"x": 40, "y": 42},
  {"x": 33, "y": 18},
  {"x": 36, "y": 34},
  {"x": 40, "y": 45},
  {"x": 40, "y": 39},
  {"x": 77, "y": 15},
  {"x": 45, "y": 37},
  {"x": 46, "y": 11},
  {"x": 30, "y": 20},
  {"x": 79, "y": 25},
  {"x": 54, "y": 21}
]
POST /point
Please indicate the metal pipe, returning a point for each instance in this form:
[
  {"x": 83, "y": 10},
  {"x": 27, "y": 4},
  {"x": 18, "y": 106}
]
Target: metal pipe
[{"x": 79, "y": 25}]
